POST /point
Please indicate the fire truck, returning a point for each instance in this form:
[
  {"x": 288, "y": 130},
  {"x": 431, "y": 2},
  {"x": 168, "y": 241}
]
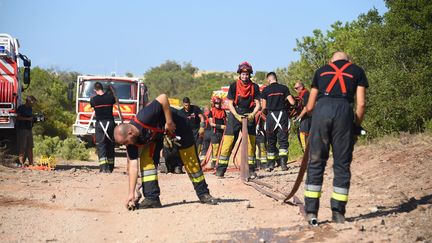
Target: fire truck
[
  {"x": 11, "y": 87},
  {"x": 131, "y": 93}
]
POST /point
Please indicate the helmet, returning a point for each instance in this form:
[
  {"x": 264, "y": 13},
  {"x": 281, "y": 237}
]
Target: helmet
[{"x": 244, "y": 67}]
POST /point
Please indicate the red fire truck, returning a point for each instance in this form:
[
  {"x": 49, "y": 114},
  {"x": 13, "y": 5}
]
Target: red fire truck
[
  {"x": 11, "y": 87},
  {"x": 132, "y": 94}
]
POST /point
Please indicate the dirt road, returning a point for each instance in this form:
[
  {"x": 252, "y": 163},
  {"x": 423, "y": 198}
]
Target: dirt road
[{"x": 390, "y": 201}]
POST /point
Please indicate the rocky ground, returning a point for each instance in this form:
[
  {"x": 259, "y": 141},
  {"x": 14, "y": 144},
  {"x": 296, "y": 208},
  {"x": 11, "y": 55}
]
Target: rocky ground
[{"x": 390, "y": 201}]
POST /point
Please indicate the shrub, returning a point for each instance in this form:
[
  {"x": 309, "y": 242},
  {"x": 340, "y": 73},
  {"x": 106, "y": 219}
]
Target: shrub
[{"x": 70, "y": 148}]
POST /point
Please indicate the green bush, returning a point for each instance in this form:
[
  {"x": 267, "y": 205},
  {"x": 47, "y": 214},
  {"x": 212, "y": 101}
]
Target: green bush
[
  {"x": 69, "y": 148},
  {"x": 428, "y": 126}
]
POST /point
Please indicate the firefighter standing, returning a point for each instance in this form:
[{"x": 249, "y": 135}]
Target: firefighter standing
[
  {"x": 217, "y": 117},
  {"x": 334, "y": 87},
  {"x": 145, "y": 133},
  {"x": 274, "y": 98},
  {"x": 243, "y": 101},
  {"x": 304, "y": 118},
  {"x": 261, "y": 140},
  {"x": 195, "y": 119},
  {"x": 206, "y": 139},
  {"x": 102, "y": 104}
]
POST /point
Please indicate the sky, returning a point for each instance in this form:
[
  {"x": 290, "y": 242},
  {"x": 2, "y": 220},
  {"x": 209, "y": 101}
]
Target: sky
[{"x": 103, "y": 36}]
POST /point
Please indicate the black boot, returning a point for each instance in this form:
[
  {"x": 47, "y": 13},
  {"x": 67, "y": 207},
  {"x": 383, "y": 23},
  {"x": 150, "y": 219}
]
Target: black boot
[
  {"x": 252, "y": 173},
  {"x": 208, "y": 199},
  {"x": 104, "y": 168},
  {"x": 270, "y": 165},
  {"x": 151, "y": 203},
  {"x": 111, "y": 168},
  {"x": 178, "y": 170},
  {"x": 338, "y": 217},
  {"x": 283, "y": 163}
]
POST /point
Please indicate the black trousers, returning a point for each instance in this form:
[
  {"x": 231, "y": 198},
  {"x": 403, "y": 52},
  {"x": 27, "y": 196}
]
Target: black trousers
[
  {"x": 277, "y": 132},
  {"x": 104, "y": 145},
  {"x": 206, "y": 141},
  {"x": 332, "y": 125}
]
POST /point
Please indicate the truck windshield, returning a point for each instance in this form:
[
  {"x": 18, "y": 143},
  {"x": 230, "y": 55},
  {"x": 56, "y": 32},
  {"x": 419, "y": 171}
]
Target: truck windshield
[{"x": 122, "y": 89}]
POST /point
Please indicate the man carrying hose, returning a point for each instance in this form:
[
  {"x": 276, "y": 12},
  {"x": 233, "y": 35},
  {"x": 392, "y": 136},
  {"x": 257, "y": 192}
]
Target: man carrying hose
[
  {"x": 154, "y": 124},
  {"x": 243, "y": 101}
]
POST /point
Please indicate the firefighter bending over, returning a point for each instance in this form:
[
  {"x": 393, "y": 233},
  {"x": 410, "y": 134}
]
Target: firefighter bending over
[
  {"x": 334, "y": 88},
  {"x": 144, "y": 136},
  {"x": 243, "y": 101}
]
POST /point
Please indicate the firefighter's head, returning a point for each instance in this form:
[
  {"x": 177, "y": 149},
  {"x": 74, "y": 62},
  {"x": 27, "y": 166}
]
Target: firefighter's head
[
  {"x": 245, "y": 70},
  {"x": 98, "y": 88},
  {"x": 299, "y": 86},
  {"x": 271, "y": 77},
  {"x": 186, "y": 103},
  {"x": 31, "y": 100},
  {"x": 217, "y": 102},
  {"x": 126, "y": 134}
]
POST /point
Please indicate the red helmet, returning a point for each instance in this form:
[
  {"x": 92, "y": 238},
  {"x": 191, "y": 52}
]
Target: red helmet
[{"x": 244, "y": 67}]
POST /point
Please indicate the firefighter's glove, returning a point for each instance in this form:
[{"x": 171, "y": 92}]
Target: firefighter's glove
[
  {"x": 201, "y": 131},
  {"x": 238, "y": 117},
  {"x": 250, "y": 117},
  {"x": 170, "y": 141}
]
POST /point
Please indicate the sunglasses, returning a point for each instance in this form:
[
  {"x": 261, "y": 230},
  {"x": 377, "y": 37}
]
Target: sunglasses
[{"x": 297, "y": 87}]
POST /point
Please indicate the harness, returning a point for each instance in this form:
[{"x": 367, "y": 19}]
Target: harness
[
  {"x": 153, "y": 130},
  {"x": 338, "y": 75}
]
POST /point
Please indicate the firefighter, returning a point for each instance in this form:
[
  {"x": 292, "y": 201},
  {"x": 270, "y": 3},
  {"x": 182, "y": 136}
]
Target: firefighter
[
  {"x": 304, "y": 118},
  {"x": 335, "y": 86},
  {"x": 243, "y": 101},
  {"x": 206, "y": 139},
  {"x": 195, "y": 118},
  {"x": 24, "y": 127},
  {"x": 102, "y": 104},
  {"x": 274, "y": 98},
  {"x": 217, "y": 118},
  {"x": 145, "y": 133},
  {"x": 261, "y": 140}
]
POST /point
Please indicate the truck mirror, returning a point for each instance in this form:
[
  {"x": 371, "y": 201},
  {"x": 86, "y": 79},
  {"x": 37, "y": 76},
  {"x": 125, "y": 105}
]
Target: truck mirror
[
  {"x": 70, "y": 91},
  {"x": 26, "y": 75}
]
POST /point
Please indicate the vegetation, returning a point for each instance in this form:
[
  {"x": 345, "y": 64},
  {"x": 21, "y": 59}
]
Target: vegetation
[{"x": 69, "y": 148}]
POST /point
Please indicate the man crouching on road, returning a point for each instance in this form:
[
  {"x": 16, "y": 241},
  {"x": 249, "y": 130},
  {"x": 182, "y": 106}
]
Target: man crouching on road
[{"x": 145, "y": 133}]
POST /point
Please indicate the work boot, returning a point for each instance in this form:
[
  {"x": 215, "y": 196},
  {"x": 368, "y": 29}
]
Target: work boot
[
  {"x": 208, "y": 199},
  {"x": 213, "y": 164},
  {"x": 270, "y": 165},
  {"x": 283, "y": 163},
  {"x": 220, "y": 174},
  {"x": 252, "y": 173},
  {"x": 312, "y": 219},
  {"x": 103, "y": 168},
  {"x": 338, "y": 217},
  {"x": 178, "y": 170},
  {"x": 151, "y": 203},
  {"x": 111, "y": 168}
]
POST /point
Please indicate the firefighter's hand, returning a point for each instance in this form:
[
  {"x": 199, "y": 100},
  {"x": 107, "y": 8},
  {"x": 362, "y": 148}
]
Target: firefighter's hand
[
  {"x": 212, "y": 124},
  {"x": 298, "y": 119},
  {"x": 130, "y": 202},
  {"x": 201, "y": 131},
  {"x": 238, "y": 117},
  {"x": 170, "y": 127},
  {"x": 251, "y": 117},
  {"x": 223, "y": 127}
]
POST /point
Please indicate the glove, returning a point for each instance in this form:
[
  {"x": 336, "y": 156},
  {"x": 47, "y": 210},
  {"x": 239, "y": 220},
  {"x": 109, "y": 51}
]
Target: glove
[
  {"x": 250, "y": 117},
  {"x": 201, "y": 131},
  {"x": 223, "y": 127},
  {"x": 170, "y": 142},
  {"x": 238, "y": 117}
]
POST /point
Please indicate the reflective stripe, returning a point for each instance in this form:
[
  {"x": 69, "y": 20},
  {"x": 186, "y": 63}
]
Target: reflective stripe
[
  {"x": 340, "y": 190},
  {"x": 263, "y": 160},
  {"x": 150, "y": 178},
  {"x": 283, "y": 152},
  {"x": 314, "y": 188},
  {"x": 103, "y": 161},
  {"x": 312, "y": 194},
  {"x": 251, "y": 158},
  {"x": 110, "y": 161},
  {"x": 271, "y": 155},
  {"x": 196, "y": 175},
  {"x": 223, "y": 162},
  {"x": 340, "y": 197},
  {"x": 149, "y": 172},
  {"x": 224, "y": 157},
  {"x": 198, "y": 179}
]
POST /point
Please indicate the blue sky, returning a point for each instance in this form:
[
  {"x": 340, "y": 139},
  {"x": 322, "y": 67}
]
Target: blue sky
[{"x": 101, "y": 36}]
